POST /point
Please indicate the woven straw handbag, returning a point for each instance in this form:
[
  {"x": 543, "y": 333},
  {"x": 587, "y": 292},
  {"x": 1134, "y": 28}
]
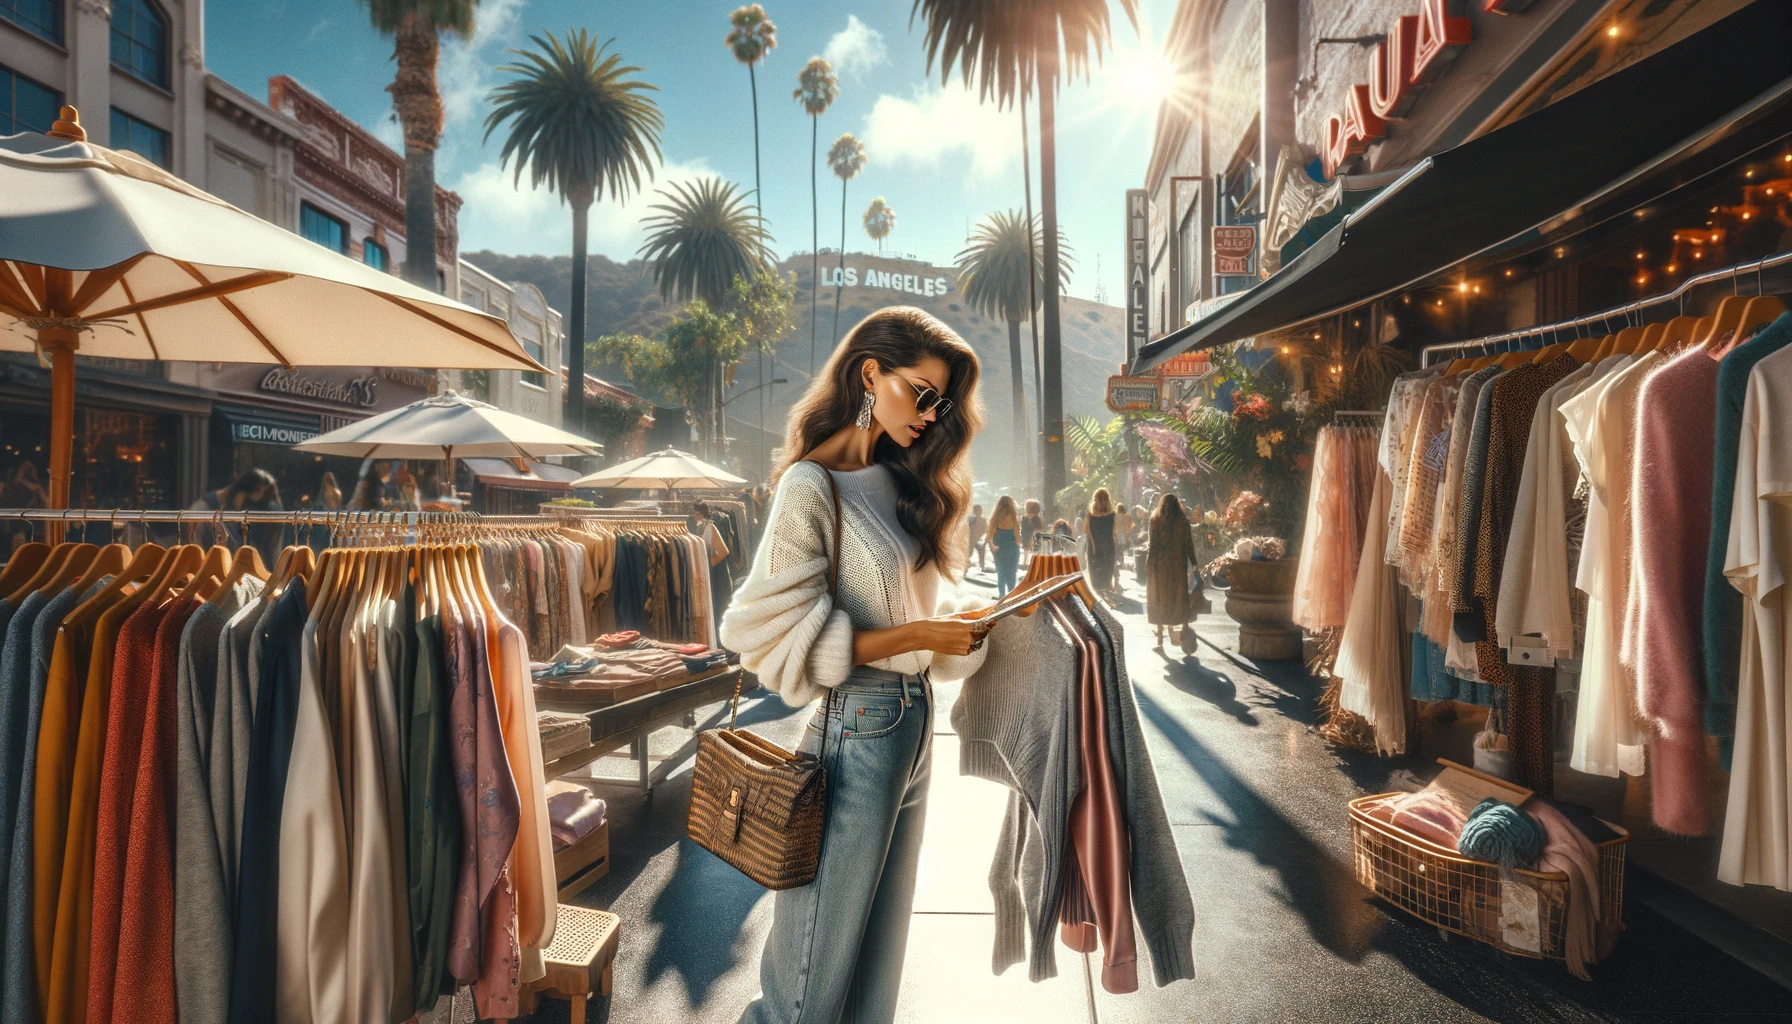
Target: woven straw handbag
[{"x": 754, "y": 804}]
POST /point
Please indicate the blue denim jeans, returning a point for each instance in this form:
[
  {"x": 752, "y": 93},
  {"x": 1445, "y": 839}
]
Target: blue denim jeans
[{"x": 836, "y": 946}]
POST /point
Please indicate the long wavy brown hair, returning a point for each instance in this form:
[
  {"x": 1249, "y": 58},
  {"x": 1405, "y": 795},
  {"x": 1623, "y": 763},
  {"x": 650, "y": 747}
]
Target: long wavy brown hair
[{"x": 933, "y": 475}]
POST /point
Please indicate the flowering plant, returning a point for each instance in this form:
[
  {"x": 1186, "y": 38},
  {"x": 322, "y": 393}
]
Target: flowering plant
[{"x": 1243, "y": 511}]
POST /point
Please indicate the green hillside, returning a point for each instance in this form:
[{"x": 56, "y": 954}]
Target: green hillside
[{"x": 623, "y": 298}]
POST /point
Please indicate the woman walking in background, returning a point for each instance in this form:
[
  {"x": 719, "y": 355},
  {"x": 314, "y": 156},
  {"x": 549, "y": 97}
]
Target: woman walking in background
[
  {"x": 1004, "y": 538},
  {"x": 1169, "y": 558},
  {"x": 979, "y": 528},
  {"x": 1031, "y": 525},
  {"x": 1098, "y": 526}
]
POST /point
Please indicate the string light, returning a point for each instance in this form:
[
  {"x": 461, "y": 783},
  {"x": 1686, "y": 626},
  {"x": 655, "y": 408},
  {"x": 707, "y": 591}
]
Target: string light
[
  {"x": 1462, "y": 287},
  {"x": 1698, "y": 254},
  {"x": 1508, "y": 273},
  {"x": 1673, "y": 267},
  {"x": 1640, "y": 255},
  {"x": 1612, "y": 32}
]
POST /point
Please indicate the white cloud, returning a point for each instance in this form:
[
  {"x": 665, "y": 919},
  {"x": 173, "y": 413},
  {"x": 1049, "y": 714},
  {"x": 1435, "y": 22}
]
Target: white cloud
[
  {"x": 464, "y": 72},
  {"x": 856, "y": 49},
  {"x": 936, "y": 126},
  {"x": 507, "y": 218}
]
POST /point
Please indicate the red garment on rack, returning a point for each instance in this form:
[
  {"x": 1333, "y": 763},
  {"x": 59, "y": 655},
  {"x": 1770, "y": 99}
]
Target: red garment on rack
[
  {"x": 134, "y": 667},
  {"x": 143, "y": 992},
  {"x": 1101, "y": 847}
]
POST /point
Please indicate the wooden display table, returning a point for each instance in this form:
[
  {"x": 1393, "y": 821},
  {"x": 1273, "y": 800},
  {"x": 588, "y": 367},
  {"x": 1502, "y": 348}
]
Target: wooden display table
[
  {"x": 628, "y": 723},
  {"x": 578, "y": 961}
]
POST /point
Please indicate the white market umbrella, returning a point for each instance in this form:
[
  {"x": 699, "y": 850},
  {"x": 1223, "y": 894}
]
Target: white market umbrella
[
  {"x": 108, "y": 254},
  {"x": 672, "y": 469},
  {"x": 448, "y": 426}
]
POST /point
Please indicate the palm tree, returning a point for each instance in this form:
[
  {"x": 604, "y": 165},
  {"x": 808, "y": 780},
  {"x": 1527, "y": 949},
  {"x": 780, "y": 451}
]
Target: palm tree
[
  {"x": 751, "y": 36},
  {"x": 1005, "y": 54},
  {"x": 416, "y": 27},
  {"x": 846, "y": 158},
  {"x": 702, "y": 241},
  {"x": 880, "y": 220},
  {"x": 703, "y": 238},
  {"x": 816, "y": 90},
  {"x": 997, "y": 276},
  {"x": 585, "y": 129}
]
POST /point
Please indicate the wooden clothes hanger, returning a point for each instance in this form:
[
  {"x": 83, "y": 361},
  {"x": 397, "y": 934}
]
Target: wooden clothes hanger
[
  {"x": 1585, "y": 349},
  {"x": 46, "y": 572},
  {"x": 110, "y": 561},
  {"x": 1651, "y": 338},
  {"x": 1627, "y": 340},
  {"x": 207, "y": 578},
  {"x": 79, "y": 559},
  {"x": 1724, "y": 321},
  {"x": 1762, "y": 309},
  {"x": 144, "y": 564},
  {"x": 24, "y": 563},
  {"x": 1675, "y": 333}
]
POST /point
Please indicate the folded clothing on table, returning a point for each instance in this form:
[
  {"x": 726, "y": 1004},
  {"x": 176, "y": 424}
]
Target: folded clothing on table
[{"x": 573, "y": 812}]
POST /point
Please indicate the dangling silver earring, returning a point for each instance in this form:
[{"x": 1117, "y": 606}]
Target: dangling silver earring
[{"x": 864, "y": 420}]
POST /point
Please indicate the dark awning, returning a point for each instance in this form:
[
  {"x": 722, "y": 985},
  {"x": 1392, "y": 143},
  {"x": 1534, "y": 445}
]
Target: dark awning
[
  {"x": 1726, "y": 88},
  {"x": 533, "y": 476}
]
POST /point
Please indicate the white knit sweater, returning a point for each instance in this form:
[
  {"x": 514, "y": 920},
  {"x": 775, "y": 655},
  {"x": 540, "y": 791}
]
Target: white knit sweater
[{"x": 783, "y": 623}]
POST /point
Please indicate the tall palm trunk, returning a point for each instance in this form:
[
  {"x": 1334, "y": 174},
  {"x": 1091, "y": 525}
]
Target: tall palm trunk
[
  {"x": 759, "y": 209},
  {"x": 419, "y": 109},
  {"x": 814, "y": 235},
  {"x": 573, "y": 400},
  {"x": 1026, "y": 180},
  {"x": 1053, "y": 411},
  {"x": 839, "y": 282},
  {"x": 1017, "y": 381}
]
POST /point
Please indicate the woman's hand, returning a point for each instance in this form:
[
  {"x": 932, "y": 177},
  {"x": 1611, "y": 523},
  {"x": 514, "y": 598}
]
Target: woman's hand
[{"x": 949, "y": 634}]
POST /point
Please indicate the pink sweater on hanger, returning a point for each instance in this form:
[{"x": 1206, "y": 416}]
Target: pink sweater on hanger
[{"x": 1671, "y": 495}]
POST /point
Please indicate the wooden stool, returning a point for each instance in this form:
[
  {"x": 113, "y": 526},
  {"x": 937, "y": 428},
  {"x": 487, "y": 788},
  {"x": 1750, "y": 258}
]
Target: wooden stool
[{"x": 579, "y": 959}]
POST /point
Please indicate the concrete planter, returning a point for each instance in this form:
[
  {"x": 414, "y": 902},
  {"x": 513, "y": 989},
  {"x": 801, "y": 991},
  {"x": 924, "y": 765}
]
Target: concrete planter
[{"x": 1261, "y": 601}]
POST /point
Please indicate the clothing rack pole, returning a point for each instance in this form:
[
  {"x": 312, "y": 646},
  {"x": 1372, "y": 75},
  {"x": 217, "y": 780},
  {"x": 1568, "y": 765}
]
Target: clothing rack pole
[{"x": 1626, "y": 311}]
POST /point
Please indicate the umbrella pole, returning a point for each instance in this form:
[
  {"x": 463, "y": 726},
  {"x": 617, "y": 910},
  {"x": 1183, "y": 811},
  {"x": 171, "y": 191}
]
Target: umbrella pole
[{"x": 60, "y": 343}]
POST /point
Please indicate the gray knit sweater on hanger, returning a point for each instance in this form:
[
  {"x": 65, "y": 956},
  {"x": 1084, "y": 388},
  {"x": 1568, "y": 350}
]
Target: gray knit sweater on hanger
[{"x": 1018, "y": 723}]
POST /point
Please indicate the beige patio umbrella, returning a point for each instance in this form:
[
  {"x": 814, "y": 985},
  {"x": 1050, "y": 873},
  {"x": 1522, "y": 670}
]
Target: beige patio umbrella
[
  {"x": 672, "y": 469},
  {"x": 104, "y": 253},
  {"x": 448, "y": 426}
]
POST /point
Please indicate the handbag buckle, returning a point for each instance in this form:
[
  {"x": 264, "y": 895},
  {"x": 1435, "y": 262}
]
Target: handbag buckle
[{"x": 733, "y": 814}]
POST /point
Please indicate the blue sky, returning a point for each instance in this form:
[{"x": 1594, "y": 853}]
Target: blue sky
[{"x": 939, "y": 158}]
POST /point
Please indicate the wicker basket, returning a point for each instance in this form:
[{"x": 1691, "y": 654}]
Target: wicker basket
[{"x": 1457, "y": 894}]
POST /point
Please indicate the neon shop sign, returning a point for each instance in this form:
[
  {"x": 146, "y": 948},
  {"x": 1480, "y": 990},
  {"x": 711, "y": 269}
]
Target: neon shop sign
[{"x": 1403, "y": 65}]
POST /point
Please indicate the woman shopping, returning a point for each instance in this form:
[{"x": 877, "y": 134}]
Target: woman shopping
[
  {"x": 1004, "y": 539},
  {"x": 1169, "y": 562},
  {"x": 882, "y": 436}
]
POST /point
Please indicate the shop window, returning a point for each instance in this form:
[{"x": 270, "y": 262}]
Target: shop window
[
  {"x": 1240, "y": 201},
  {"x": 41, "y": 18},
  {"x": 374, "y": 255},
  {"x": 25, "y": 106},
  {"x": 141, "y": 138},
  {"x": 140, "y": 41},
  {"x": 318, "y": 226}
]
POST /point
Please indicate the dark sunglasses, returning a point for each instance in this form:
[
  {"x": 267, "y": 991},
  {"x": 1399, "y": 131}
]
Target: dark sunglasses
[{"x": 927, "y": 399}]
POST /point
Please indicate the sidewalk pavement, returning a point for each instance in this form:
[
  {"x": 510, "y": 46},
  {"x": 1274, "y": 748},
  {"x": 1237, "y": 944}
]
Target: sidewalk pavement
[{"x": 1257, "y": 803}]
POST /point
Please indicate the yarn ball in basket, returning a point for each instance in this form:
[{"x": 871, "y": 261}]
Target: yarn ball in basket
[{"x": 1499, "y": 832}]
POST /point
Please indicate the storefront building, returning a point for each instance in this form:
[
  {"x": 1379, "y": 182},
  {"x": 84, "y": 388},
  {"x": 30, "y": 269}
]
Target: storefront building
[
  {"x": 1464, "y": 186},
  {"x": 158, "y": 434},
  {"x": 535, "y": 324}
]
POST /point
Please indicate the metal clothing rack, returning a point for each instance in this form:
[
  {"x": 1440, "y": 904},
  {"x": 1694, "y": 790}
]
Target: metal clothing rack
[
  {"x": 1357, "y": 417},
  {"x": 1512, "y": 340},
  {"x": 57, "y": 520}
]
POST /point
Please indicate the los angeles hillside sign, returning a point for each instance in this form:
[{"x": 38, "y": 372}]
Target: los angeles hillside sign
[{"x": 858, "y": 276}]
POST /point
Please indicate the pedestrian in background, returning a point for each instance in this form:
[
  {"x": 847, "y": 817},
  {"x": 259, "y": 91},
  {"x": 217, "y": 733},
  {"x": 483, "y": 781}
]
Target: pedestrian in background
[
  {"x": 254, "y": 491},
  {"x": 1031, "y": 525},
  {"x": 1169, "y": 562},
  {"x": 1004, "y": 537},
  {"x": 979, "y": 536},
  {"x": 1098, "y": 527}
]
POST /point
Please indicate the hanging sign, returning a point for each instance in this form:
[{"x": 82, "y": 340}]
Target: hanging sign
[
  {"x": 1138, "y": 279},
  {"x": 1414, "y": 52},
  {"x": 1133, "y": 394},
  {"x": 1233, "y": 246}
]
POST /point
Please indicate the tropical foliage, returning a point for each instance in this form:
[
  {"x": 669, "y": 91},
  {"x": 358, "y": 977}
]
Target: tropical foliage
[
  {"x": 846, "y": 158},
  {"x": 880, "y": 220},
  {"x": 584, "y": 127},
  {"x": 816, "y": 89},
  {"x": 703, "y": 237},
  {"x": 1098, "y": 457},
  {"x": 684, "y": 364},
  {"x": 416, "y": 27}
]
